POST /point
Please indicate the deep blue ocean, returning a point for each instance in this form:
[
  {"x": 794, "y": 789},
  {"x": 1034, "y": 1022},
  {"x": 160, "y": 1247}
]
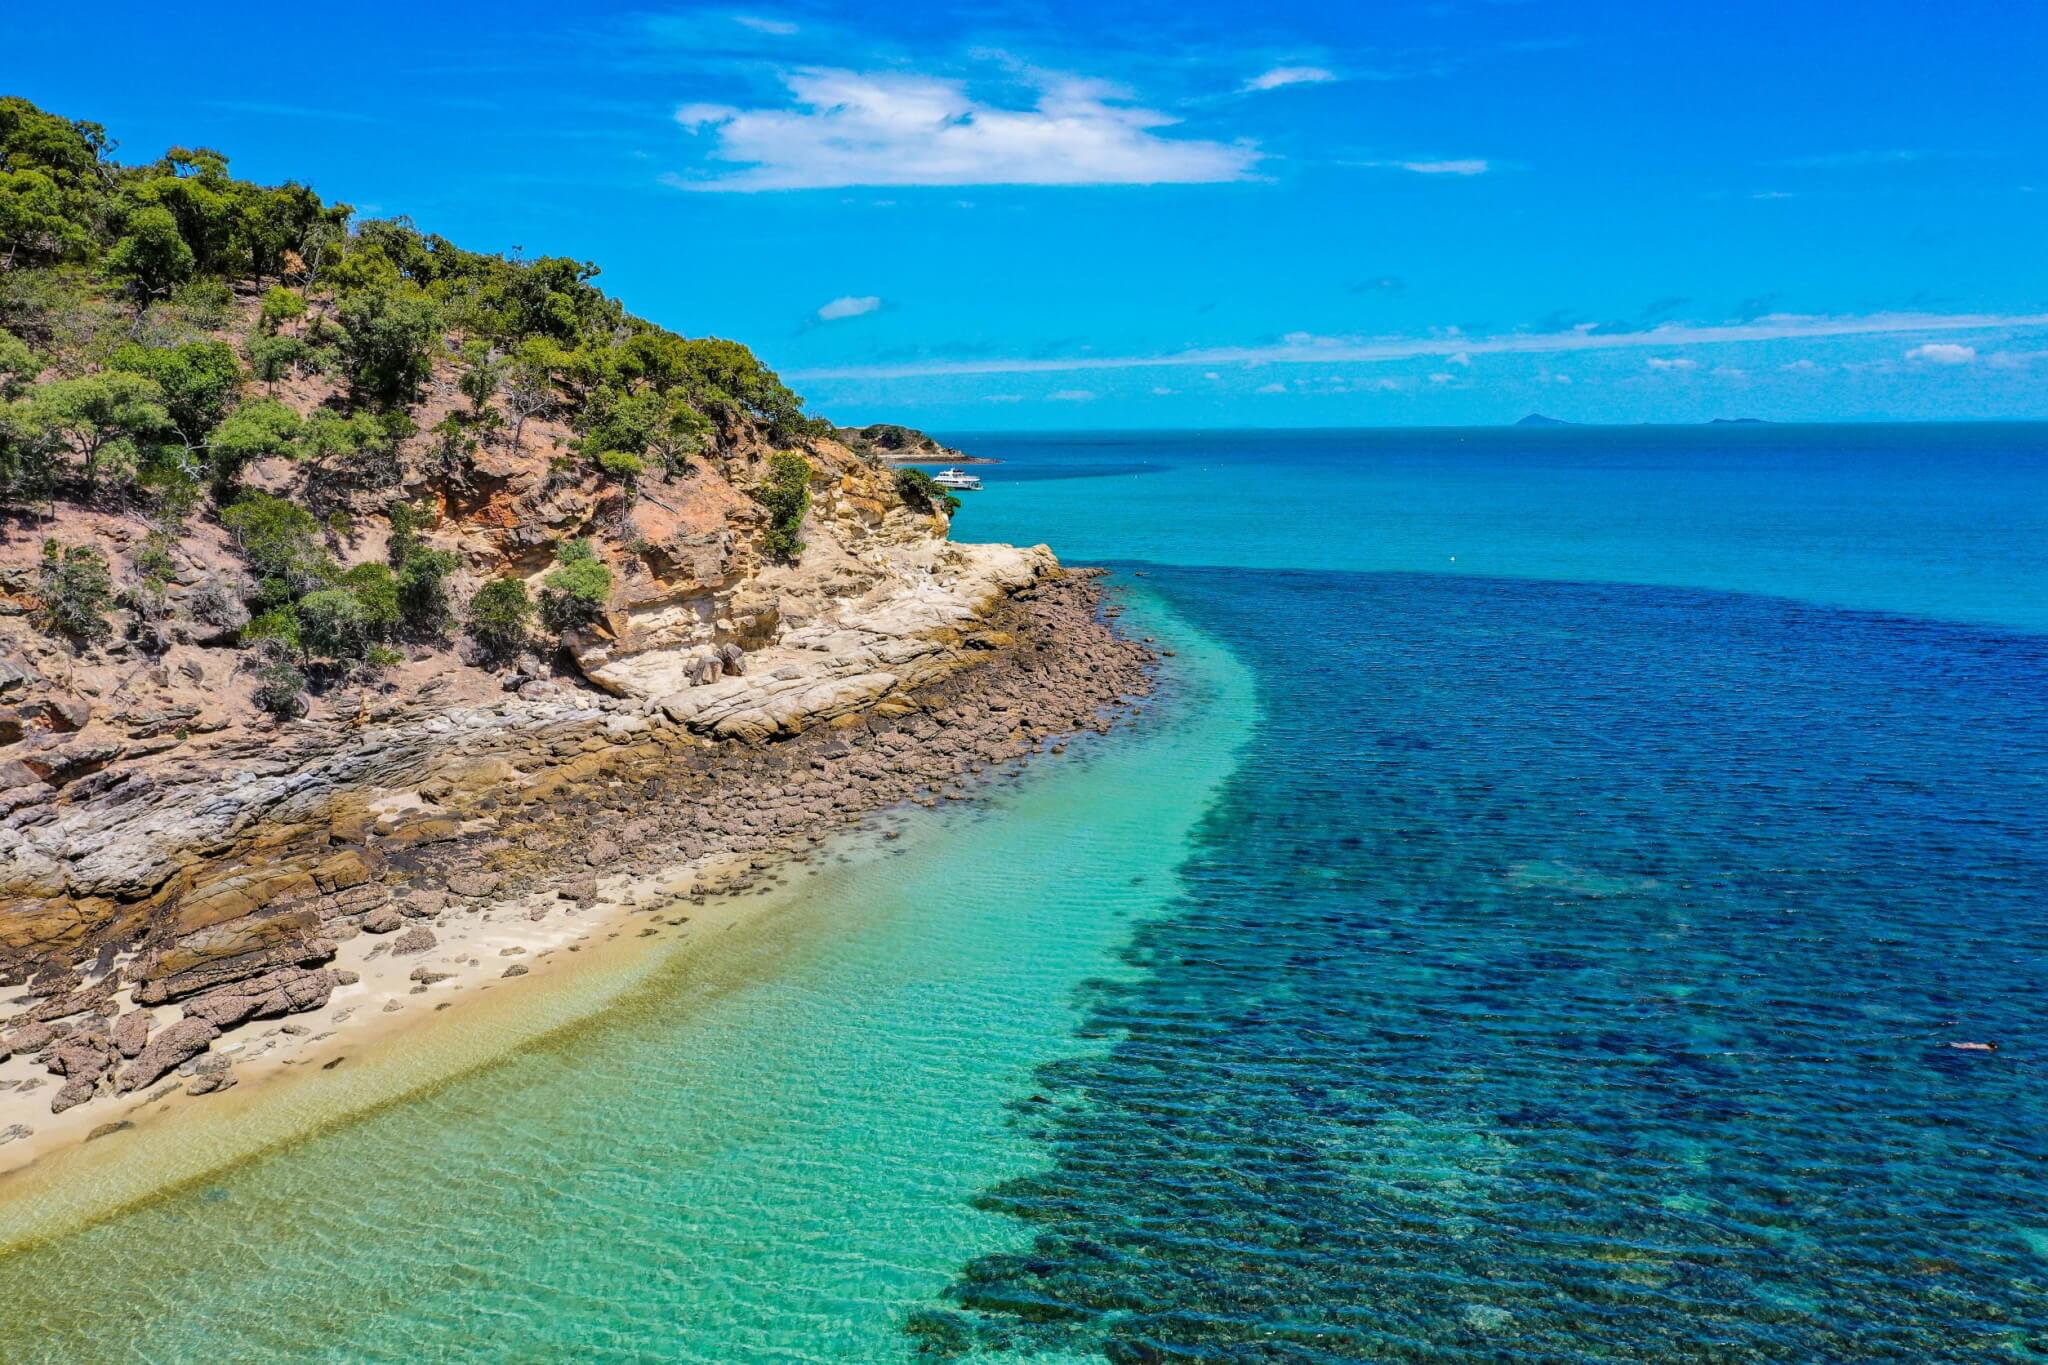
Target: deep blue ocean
[
  {"x": 1634, "y": 824},
  {"x": 1577, "y": 895}
]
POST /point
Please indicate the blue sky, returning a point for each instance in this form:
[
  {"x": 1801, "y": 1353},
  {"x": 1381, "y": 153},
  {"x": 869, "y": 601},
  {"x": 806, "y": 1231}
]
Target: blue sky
[{"x": 1192, "y": 213}]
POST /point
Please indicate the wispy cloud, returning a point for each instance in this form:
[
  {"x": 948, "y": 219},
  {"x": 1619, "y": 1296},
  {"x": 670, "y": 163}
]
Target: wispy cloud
[
  {"x": 1943, "y": 353},
  {"x": 270, "y": 110},
  {"x": 780, "y": 28},
  {"x": 1465, "y": 166},
  {"x": 1671, "y": 364},
  {"x": 847, "y": 128},
  {"x": 849, "y": 307},
  {"x": 1290, "y": 75},
  {"x": 1072, "y": 395},
  {"x": 1468, "y": 165},
  {"x": 1303, "y": 348},
  {"x": 1869, "y": 156}
]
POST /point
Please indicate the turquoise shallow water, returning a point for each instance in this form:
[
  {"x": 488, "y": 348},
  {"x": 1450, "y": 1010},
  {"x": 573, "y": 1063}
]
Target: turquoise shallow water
[{"x": 1552, "y": 952}]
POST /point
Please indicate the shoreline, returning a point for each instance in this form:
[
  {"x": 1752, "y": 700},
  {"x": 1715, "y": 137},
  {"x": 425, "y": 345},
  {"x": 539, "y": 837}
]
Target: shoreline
[{"x": 566, "y": 879}]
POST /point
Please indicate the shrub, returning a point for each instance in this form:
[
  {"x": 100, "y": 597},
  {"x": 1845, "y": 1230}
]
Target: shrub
[
  {"x": 280, "y": 305},
  {"x": 574, "y": 592},
  {"x": 334, "y": 624},
  {"x": 274, "y": 357},
  {"x": 376, "y": 590},
  {"x": 17, "y": 365},
  {"x": 279, "y": 539},
  {"x": 252, "y": 432},
  {"x": 500, "y": 615},
  {"x": 920, "y": 491},
  {"x": 74, "y": 587},
  {"x": 787, "y": 496},
  {"x": 279, "y": 681},
  {"x": 279, "y": 623},
  {"x": 621, "y": 466}
]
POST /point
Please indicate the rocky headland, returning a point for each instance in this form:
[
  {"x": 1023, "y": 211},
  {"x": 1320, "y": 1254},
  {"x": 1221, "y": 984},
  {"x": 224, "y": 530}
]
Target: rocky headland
[{"x": 366, "y": 603}]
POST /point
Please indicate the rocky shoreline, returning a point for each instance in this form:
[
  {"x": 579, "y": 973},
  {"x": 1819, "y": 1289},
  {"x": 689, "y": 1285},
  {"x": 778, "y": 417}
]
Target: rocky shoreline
[{"x": 452, "y": 852}]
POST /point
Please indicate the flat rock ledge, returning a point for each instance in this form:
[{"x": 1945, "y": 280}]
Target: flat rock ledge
[{"x": 151, "y": 921}]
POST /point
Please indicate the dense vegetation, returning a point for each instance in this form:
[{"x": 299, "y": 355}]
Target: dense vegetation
[{"x": 149, "y": 313}]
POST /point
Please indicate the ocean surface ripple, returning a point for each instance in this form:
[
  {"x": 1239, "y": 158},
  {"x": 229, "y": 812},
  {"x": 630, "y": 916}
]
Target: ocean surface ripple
[{"x": 1570, "y": 971}]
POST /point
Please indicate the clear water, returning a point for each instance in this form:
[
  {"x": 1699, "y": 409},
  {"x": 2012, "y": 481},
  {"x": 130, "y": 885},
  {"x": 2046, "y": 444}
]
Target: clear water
[{"x": 1550, "y": 954}]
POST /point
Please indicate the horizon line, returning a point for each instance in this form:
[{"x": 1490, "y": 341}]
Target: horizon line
[{"x": 1310, "y": 350}]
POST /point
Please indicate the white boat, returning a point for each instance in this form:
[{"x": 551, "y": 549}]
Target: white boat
[{"x": 953, "y": 481}]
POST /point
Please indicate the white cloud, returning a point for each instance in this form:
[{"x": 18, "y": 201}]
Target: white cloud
[
  {"x": 1272, "y": 388},
  {"x": 1943, "y": 353},
  {"x": 1161, "y": 391},
  {"x": 1442, "y": 378},
  {"x": 1464, "y": 166},
  {"x": 849, "y": 128},
  {"x": 2014, "y": 360},
  {"x": 1072, "y": 396},
  {"x": 1460, "y": 358},
  {"x": 1665, "y": 336},
  {"x": 1672, "y": 364},
  {"x": 849, "y": 307},
  {"x": 1289, "y": 75},
  {"x": 1800, "y": 367},
  {"x": 781, "y": 28}
]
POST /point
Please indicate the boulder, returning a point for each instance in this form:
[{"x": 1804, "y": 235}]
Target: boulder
[
  {"x": 474, "y": 883},
  {"x": 383, "y": 921},
  {"x": 131, "y": 1032},
  {"x": 418, "y": 939},
  {"x": 289, "y": 990},
  {"x": 210, "y": 1082},
  {"x": 169, "y": 1050}
]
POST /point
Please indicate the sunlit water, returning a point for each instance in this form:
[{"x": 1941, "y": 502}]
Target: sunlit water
[{"x": 1533, "y": 922}]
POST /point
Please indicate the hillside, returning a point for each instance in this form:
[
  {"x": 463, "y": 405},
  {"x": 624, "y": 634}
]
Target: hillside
[{"x": 332, "y": 553}]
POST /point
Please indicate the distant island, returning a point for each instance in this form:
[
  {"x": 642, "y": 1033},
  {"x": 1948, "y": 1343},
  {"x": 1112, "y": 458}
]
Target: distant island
[
  {"x": 1537, "y": 419},
  {"x": 891, "y": 443}
]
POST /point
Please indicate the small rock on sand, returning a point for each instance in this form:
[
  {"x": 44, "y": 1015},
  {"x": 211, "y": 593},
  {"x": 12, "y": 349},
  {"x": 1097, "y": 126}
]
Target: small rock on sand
[{"x": 516, "y": 969}]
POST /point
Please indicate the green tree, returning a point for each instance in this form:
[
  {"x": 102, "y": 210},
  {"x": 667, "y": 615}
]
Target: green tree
[
  {"x": 103, "y": 418},
  {"x": 199, "y": 382},
  {"x": 482, "y": 371},
  {"x": 500, "y": 615},
  {"x": 18, "y": 365},
  {"x": 152, "y": 256},
  {"x": 576, "y": 589},
  {"x": 387, "y": 344},
  {"x": 253, "y": 431},
  {"x": 73, "y": 588},
  {"x": 39, "y": 222},
  {"x": 787, "y": 496},
  {"x": 530, "y": 383},
  {"x": 31, "y": 452},
  {"x": 422, "y": 573}
]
